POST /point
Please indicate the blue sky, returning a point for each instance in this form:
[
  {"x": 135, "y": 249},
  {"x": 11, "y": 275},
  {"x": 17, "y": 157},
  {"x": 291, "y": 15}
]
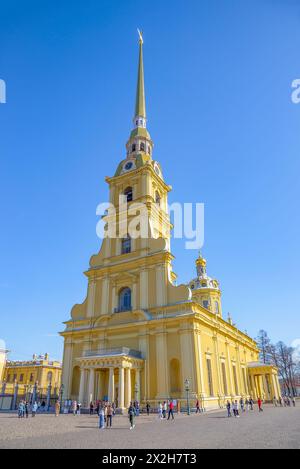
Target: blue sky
[{"x": 218, "y": 84}]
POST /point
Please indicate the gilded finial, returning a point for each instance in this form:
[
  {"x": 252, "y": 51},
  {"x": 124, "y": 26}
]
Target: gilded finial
[{"x": 140, "y": 36}]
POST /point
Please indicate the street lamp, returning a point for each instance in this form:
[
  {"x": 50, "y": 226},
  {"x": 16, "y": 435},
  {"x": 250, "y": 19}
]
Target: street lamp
[
  {"x": 187, "y": 388},
  {"x": 61, "y": 392}
]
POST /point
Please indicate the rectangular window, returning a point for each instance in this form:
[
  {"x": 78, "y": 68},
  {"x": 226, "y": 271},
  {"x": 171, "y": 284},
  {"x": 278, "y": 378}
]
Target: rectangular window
[
  {"x": 209, "y": 376},
  {"x": 224, "y": 379},
  {"x": 14, "y": 378},
  {"x": 31, "y": 377},
  {"x": 235, "y": 380},
  {"x": 21, "y": 378}
]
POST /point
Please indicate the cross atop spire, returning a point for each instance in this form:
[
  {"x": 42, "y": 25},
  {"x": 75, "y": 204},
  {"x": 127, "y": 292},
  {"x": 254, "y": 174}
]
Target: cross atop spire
[{"x": 140, "y": 105}]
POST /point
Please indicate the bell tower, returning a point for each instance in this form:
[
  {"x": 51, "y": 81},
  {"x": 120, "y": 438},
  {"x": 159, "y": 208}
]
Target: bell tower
[{"x": 206, "y": 290}]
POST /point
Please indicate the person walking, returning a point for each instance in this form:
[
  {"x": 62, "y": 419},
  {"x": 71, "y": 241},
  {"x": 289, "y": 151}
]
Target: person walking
[
  {"x": 242, "y": 405},
  {"x": 236, "y": 409},
  {"x": 251, "y": 402},
  {"x": 43, "y": 406},
  {"x": 171, "y": 407},
  {"x": 74, "y": 407},
  {"x": 148, "y": 408},
  {"x": 274, "y": 401},
  {"x": 259, "y": 403},
  {"x": 57, "y": 408},
  {"x": 26, "y": 409},
  {"x": 78, "y": 408},
  {"x": 247, "y": 405},
  {"x": 160, "y": 411},
  {"x": 109, "y": 415},
  {"x": 131, "y": 415},
  {"x": 164, "y": 410},
  {"x": 91, "y": 408},
  {"x": 101, "y": 417},
  {"x": 34, "y": 409},
  {"x": 21, "y": 410},
  {"x": 294, "y": 402},
  {"x": 197, "y": 407},
  {"x": 228, "y": 407}
]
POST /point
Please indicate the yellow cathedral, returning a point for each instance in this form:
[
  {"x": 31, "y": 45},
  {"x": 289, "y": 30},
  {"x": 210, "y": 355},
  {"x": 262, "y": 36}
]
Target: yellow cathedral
[{"x": 138, "y": 336}]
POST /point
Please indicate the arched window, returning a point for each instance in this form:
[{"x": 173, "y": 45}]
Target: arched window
[
  {"x": 49, "y": 376},
  {"x": 157, "y": 198},
  {"x": 205, "y": 304},
  {"x": 128, "y": 194},
  {"x": 216, "y": 307},
  {"x": 133, "y": 148},
  {"x": 126, "y": 245},
  {"x": 125, "y": 299},
  {"x": 142, "y": 146}
]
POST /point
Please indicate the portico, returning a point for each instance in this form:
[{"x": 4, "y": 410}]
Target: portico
[
  {"x": 263, "y": 381},
  {"x": 112, "y": 375}
]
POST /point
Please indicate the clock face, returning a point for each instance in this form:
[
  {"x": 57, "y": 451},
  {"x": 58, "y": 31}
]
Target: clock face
[{"x": 128, "y": 166}]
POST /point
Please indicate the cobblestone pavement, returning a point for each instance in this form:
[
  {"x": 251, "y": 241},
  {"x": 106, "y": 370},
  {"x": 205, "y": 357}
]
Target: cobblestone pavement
[{"x": 274, "y": 428}]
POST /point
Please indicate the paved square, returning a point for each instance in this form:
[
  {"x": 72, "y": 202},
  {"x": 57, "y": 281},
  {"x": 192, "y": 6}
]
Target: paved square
[{"x": 274, "y": 428}]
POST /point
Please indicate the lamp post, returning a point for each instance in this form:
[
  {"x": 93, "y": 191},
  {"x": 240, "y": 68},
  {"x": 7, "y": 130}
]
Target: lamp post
[
  {"x": 61, "y": 393},
  {"x": 187, "y": 388}
]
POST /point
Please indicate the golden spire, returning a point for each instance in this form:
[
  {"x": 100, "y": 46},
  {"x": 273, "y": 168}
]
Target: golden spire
[{"x": 140, "y": 106}]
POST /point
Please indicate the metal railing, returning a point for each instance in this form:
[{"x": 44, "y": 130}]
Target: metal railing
[{"x": 123, "y": 309}]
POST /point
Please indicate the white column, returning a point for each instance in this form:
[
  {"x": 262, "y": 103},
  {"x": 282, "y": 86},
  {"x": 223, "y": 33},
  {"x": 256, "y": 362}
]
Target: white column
[
  {"x": 121, "y": 387},
  {"x": 200, "y": 356},
  {"x": 91, "y": 298},
  {"x": 144, "y": 289},
  {"x": 67, "y": 369},
  {"x": 111, "y": 385},
  {"x": 114, "y": 298},
  {"x": 91, "y": 385},
  {"x": 82, "y": 385},
  {"x": 160, "y": 285},
  {"x": 229, "y": 368},
  {"x": 162, "y": 368},
  {"x": 133, "y": 297},
  {"x": 138, "y": 384},
  {"x": 128, "y": 397},
  {"x": 105, "y": 294},
  {"x": 217, "y": 359}
]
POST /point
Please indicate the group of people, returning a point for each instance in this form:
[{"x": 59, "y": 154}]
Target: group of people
[
  {"x": 284, "y": 401},
  {"x": 165, "y": 407},
  {"x": 234, "y": 407},
  {"x": 24, "y": 407}
]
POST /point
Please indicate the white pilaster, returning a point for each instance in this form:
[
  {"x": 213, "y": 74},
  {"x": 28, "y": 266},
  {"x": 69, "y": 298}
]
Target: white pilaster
[
  {"x": 121, "y": 388},
  {"x": 144, "y": 289},
  {"x": 128, "y": 397},
  {"x": 82, "y": 385},
  {"x": 91, "y": 298},
  {"x": 105, "y": 296},
  {"x": 91, "y": 385},
  {"x": 111, "y": 385},
  {"x": 138, "y": 384}
]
